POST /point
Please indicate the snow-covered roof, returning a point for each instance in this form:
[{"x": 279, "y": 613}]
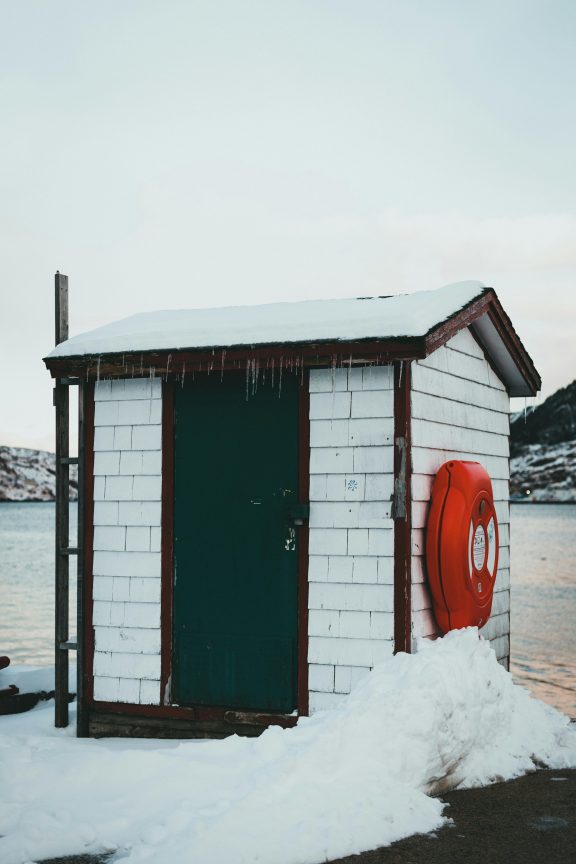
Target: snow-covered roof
[
  {"x": 359, "y": 318},
  {"x": 399, "y": 326}
]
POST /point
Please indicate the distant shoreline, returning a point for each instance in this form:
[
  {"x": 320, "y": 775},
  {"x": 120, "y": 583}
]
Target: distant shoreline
[
  {"x": 31, "y": 501},
  {"x": 531, "y": 503}
]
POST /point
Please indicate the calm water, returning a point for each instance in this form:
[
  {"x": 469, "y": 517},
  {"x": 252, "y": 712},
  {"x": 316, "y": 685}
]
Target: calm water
[
  {"x": 543, "y": 638},
  {"x": 27, "y": 581},
  {"x": 543, "y": 593}
]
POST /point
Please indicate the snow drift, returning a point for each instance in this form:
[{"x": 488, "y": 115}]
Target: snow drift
[{"x": 343, "y": 781}]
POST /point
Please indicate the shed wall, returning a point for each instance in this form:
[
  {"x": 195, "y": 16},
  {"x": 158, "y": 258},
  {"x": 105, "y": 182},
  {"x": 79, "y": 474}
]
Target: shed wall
[
  {"x": 351, "y": 563},
  {"x": 127, "y": 520},
  {"x": 460, "y": 410}
]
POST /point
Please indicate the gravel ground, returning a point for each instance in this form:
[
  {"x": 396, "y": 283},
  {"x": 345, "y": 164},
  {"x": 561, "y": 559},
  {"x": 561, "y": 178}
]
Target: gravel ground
[
  {"x": 525, "y": 821},
  {"x": 529, "y": 820}
]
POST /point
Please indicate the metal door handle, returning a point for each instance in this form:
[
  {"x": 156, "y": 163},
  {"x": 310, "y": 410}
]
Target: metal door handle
[{"x": 298, "y": 514}]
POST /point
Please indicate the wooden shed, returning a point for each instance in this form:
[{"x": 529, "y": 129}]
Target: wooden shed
[{"x": 254, "y": 492}]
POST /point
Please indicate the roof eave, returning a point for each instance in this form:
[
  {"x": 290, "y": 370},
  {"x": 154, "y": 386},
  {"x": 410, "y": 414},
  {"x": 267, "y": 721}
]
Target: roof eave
[
  {"x": 489, "y": 323},
  {"x": 177, "y": 361}
]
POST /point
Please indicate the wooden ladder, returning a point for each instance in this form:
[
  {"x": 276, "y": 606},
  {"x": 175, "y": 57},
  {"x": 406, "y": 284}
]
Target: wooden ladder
[{"x": 63, "y": 551}]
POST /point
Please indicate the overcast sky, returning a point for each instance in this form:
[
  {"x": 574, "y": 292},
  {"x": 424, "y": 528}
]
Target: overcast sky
[{"x": 175, "y": 154}]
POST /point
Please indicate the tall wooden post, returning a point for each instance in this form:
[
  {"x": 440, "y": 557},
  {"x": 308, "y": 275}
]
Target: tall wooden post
[
  {"x": 61, "y": 403},
  {"x": 81, "y": 719}
]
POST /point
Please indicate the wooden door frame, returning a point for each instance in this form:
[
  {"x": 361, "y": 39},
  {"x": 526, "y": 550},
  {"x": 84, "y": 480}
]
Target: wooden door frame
[
  {"x": 167, "y": 567},
  {"x": 99, "y": 714}
]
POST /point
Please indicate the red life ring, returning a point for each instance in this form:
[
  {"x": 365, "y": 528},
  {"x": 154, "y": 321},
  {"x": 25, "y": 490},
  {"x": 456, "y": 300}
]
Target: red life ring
[{"x": 462, "y": 545}]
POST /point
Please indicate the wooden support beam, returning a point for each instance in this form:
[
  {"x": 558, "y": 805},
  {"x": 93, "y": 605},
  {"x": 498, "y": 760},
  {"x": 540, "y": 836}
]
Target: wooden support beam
[
  {"x": 402, "y": 508},
  {"x": 84, "y": 394},
  {"x": 61, "y": 623},
  {"x": 61, "y": 307}
]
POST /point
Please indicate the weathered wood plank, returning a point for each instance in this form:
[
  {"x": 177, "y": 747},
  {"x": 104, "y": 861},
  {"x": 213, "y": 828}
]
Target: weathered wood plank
[
  {"x": 428, "y": 407},
  {"x": 419, "y": 539},
  {"x": 427, "y": 460},
  {"x": 501, "y": 602},
  {"x": 438, "y": 435},
  {"x": 81, "y": 724},
  {"x": 127, "y": 726},
  {"x": 463, "y": 366},
  {"x": 427, "y": 380},
  {"x": 60, "y": 308},
  {"x": 466, "y": 344},
  {"x": 496, "y": 626},
  {"x": 424, "y": 623},
  {"x": 62, "y": 494},
  {"x": 501, "y": 647},
  {"x": 422, "y": 488},
  {"x": 421, "y": 597},
  {"x": 420, "y": 513}
]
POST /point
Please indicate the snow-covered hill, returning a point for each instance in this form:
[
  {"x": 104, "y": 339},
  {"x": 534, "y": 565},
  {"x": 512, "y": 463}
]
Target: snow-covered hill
[
  {"x": 29, "y": 475},
  {"x": 544, "y": 473},
  {"x": 543, "y": 449},
  {"x": 542, "y": 465}
]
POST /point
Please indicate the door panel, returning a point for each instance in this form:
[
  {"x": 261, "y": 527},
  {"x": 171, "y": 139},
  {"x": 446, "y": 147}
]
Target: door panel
[{"x": 235, "y": 551}]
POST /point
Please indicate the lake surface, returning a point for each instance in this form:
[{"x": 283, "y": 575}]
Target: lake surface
[
  {"x": 543, "y": 640},
  {"x": 543, "y": 625}
]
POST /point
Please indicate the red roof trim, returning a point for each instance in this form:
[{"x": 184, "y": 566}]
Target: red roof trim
[
  {"x": 488, "y": 304},
  {"x": 175, "y": 362},
  {"x": 341, "y": 353}
]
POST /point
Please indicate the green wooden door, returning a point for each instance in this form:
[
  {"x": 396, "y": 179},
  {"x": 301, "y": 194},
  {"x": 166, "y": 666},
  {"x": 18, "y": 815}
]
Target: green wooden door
[{"x": 235, "y": 550}]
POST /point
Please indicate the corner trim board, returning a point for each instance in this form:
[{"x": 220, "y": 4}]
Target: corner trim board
[
  {"x": 88, "y": 670},
  {"x": 167, "y": 542},
  {"x": 402, "y": 507}
]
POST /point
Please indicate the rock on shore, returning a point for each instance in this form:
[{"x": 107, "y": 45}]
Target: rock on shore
[{"x": 29, "y": 475}]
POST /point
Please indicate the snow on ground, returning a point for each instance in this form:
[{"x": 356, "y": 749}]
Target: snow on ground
[
  {"x": 33, "y": 679},
  {"x": 343, "y": 781}
]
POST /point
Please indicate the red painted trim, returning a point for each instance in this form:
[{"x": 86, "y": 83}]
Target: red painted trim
[
  {"x": 228, "y": 358},
  {"x": 403, "y": 513},
  {"x": 202, "y": 712},
  {"x": 488, "y": 304},
  {"x": 438, "y": 336},
  {"x": 139, "y": 364},
  {"x": 303, "y": 538},
  {"x": 89, "y": 544},
  {"x": 167, "y": 542},
  {"x": 197, "y": 712}
]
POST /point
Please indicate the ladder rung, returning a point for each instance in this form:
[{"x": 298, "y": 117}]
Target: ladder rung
[
  {"x": 68, "y": 646},
  {"x": 68, "y": 382},
  {"x": 69, "y": 550},
  {"x": 68, "y": 460}
]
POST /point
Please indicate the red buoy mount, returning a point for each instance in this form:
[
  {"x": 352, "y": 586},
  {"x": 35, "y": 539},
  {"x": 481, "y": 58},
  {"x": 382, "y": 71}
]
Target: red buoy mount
[{"x": 462, "y": 545}]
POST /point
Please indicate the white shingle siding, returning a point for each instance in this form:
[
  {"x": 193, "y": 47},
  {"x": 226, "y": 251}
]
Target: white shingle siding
[
  {"x": 351, "y": 565},
  {"x": 460, "y": 410},
  {"x": 127, "y": 519}
]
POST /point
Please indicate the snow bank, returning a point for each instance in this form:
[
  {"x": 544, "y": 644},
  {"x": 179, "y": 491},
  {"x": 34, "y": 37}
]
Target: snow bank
[
  {"x": 341, "y": 782},
  {"x": 304, "y": 321},
  {"x": 34, "y": 679}
]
